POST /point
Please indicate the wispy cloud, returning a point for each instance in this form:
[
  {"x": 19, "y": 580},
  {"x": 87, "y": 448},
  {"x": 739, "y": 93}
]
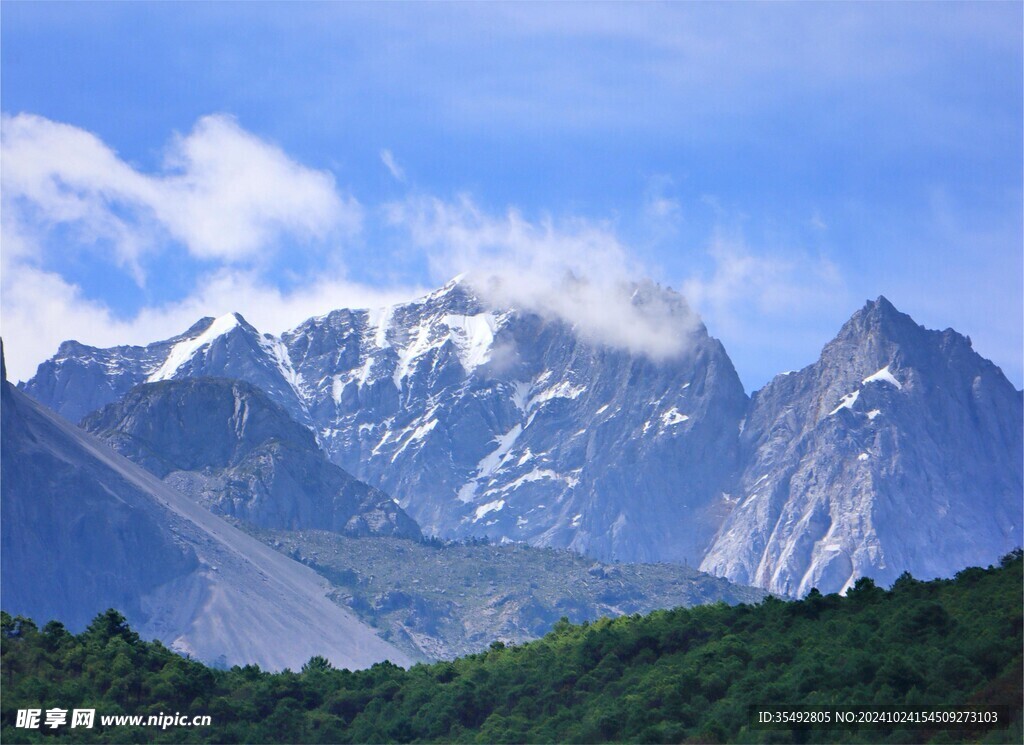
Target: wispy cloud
[
  {"x": 576, "y": 271},
  {"x": 660, "y": 204},
  {"x": 765, "y": 284},
  {"x": 768, "y": 305},
  {"x": 707, "y": 62},
  {"x": 396, "y": 171}
]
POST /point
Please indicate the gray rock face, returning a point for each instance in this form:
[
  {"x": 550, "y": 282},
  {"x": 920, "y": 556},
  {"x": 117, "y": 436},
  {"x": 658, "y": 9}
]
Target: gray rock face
[
  {"x": 900, "y": 449},
  {"x": 226, "y": 444},
  {"x": 82, "y": 529}
]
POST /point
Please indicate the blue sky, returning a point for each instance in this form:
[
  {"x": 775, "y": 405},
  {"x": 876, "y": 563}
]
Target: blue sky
[{"x": 777, "y": 163}]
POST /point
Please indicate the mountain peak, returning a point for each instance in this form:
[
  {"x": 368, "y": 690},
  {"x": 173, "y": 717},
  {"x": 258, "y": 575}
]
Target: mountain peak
[
  {"x": 882, "y": 305},
  {"x": 221, "y": 324},
  {"x": 248, "y": 458},
  {"x": 183, "y": 351},
  {"x": 880, "y": 319},
  {"x": 881, "y": 308},
  {"x": 196, "y": 328},
  {"x": 458, "y": 279},
  {"x": 457, "y": 295},
  {"x": 456, "y": 283},
  {"x": 651, "y": 294}
]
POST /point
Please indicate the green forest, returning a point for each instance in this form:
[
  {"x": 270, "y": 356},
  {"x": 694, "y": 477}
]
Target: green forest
[{"x": 685, "y": 675}]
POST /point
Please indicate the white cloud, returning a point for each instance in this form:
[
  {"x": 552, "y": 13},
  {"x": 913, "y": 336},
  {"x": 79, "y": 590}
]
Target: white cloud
[
  {"x": 576, "y": 271},
  {"x": 224, "y": 193},
  {"x": 664, "y": 208},
  {"x": 230, "y": 194},
  {"x": 392, "y": 165}
]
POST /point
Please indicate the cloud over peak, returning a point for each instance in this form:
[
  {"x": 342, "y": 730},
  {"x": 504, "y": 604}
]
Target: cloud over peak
[{"x": 576, "y": 271}]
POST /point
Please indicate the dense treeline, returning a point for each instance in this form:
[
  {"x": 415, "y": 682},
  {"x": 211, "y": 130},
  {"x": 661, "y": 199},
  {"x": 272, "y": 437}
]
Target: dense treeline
[{"x": 671, "y": 676}]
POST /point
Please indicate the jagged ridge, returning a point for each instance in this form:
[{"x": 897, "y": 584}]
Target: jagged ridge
[{"x": 498, "y": 422}]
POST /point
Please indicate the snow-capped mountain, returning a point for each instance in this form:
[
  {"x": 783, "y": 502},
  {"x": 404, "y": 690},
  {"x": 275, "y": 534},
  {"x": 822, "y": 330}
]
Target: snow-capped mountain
[
  {"x": 479, "y": 421},
  {"x": 83, "y": 529},
  {"x": 505, "y": 424},
  {"x": 227, "y": 445},
  {"x": 899, "y": 449}
]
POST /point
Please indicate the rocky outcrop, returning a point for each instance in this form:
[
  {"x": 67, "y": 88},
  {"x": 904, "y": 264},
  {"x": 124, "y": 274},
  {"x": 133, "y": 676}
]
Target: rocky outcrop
[{"x": 226, "y": 444}]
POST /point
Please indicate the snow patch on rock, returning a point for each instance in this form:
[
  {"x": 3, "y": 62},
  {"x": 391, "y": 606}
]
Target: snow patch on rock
[
  {"x": 847, "y": 402},
  {"x": 483, "y": 509},
  {"x": 883, "y": 376},
  {"x": 185, "y": 350},
  {"x": 672, "y": 416}
]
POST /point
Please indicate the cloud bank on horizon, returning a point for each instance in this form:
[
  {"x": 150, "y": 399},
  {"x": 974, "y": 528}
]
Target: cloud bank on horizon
[{"x": 777, "y": 164}]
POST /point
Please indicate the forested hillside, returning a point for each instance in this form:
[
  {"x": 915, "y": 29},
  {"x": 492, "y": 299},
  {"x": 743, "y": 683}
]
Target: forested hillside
[{"x": 681, "y": 675}]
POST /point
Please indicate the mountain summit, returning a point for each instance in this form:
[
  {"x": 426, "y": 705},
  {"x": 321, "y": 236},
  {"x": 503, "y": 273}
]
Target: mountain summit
[
  {"x": 509, "y": 424},
  {"x": 900, "y": 449},
  {"x": 80, "y": 379}
]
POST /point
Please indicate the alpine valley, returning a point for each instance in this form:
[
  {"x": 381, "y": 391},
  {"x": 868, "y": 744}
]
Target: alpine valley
[{"x": 898, "y": 450}]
